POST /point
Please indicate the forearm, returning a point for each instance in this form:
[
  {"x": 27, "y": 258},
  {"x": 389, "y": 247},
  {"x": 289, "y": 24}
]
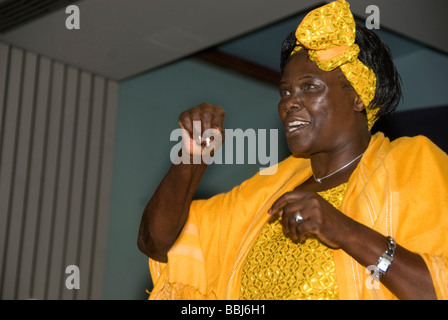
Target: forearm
[
  {"x": 167, "y": 211},
  {"x": 407, "y": 277}
]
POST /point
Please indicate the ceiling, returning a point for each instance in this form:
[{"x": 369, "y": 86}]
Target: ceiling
[{"x": 120, "y": 39}]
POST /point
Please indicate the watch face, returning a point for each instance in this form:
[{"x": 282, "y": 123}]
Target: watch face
[{"x": 383, "y": 264}]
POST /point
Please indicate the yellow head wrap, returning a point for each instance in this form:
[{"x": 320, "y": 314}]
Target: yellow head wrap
[{"x": 328, "y": 33}]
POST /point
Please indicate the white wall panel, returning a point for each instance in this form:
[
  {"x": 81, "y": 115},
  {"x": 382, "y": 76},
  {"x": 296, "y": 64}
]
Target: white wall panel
[{"x": 57, "y": 131}]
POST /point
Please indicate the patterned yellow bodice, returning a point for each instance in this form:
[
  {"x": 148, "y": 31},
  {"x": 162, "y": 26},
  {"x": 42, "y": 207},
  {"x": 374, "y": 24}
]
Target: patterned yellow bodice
[{"x": 276, "y": 268}]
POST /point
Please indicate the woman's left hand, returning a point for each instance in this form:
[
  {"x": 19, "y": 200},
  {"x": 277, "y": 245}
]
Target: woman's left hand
[{"x": 320, "y": 218}]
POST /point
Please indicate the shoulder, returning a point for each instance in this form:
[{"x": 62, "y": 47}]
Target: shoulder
[
  {"x": 266, "y": 183},
  {"x": 420, "y": 142},
  {"x": 407, "y": 148},
  {"x": 259, "y": 187},
  {"x": 404, "y": 160},
  {"x": 278, "y": 174},
  {"x": 418, "y": 149},
  {"x": 416, "y": 163}
]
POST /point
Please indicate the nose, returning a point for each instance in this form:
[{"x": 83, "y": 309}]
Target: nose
[{"x": 291, "y": 104}]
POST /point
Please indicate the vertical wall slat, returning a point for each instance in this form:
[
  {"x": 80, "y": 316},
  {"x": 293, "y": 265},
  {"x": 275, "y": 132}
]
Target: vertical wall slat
[
  {"x": 63, "y": 189},
  {"x": 105, "y": 187},
  {"x": 20, "y": 173},
  {"x": 77, "y": 194},
  {"x": 4, "y": 67},
  {"x": 47, "y": 198},
  {"x": 4, "y": 73},
  {"x": 7, "y": 163},
  {"x": 57, "y": 126},
  {"x": 91, "y": 196},
  {"x": 32, "y": 221}
]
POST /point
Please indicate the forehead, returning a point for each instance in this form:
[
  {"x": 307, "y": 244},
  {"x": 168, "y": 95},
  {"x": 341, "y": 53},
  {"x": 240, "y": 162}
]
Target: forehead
[{"x": 299, "y": 65}]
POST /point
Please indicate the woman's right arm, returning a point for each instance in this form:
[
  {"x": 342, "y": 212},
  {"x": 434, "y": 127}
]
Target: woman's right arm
[{"x": 167, "y": 211}]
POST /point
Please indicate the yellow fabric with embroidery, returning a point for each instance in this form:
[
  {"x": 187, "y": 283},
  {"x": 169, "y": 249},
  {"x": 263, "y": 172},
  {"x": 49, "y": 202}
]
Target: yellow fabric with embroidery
[
  {"x": 399, "y": 189},
  {"x": 328, "y": 33},
  {"x": 279, "y": 269}
]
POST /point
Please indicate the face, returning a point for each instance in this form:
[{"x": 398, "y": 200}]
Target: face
[{"x": 319, "y": 110}]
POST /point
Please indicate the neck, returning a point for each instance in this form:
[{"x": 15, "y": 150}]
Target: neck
[{"x": 338, "y": 164}]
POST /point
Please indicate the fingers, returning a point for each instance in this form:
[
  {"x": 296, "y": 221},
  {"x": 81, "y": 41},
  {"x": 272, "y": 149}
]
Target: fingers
[
  {"x": 280, "y": 203},
  {"x": 296, "y": 230},
  {"x": 203, "y": 128},
  {"x": 288, "y": 206},
  {"x": 201, "y": 118},
  {"x": 319, "y": 218}
]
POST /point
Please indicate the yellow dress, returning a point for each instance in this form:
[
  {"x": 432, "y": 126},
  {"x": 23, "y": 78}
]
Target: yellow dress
[
  {"x": 386, "y": 193},
  {"x": 279, "y": 269}
]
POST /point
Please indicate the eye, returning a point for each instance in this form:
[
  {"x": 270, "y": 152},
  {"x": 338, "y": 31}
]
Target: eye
[
  {"x": 309, "y": 86},
  {"x": 284, "y": 92},
  {"x": 312, "y": 85}
]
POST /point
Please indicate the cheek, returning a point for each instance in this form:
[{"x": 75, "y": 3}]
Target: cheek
[
  {"x": 328, "y": 108},
  {"x": 319, "y": 109},
  {"x": 280, "y": 109}
]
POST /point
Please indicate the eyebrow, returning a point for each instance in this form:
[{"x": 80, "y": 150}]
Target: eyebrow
[{"x": 299, "y": 79}]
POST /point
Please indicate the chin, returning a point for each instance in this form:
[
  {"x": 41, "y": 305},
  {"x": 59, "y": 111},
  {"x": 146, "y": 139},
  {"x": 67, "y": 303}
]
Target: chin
[{"x": 298, "y": 149}]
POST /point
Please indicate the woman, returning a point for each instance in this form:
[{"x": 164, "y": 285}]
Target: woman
[{"x": 345, "y": 210}]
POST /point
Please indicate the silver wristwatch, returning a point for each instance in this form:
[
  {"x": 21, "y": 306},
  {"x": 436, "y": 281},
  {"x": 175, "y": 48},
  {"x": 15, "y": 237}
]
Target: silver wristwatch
[{"x": 386, "y": 259}]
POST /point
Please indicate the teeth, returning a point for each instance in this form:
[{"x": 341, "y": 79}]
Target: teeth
[
  {"x": 294, "y": 125},
  {"x": 297, "y": 123}
]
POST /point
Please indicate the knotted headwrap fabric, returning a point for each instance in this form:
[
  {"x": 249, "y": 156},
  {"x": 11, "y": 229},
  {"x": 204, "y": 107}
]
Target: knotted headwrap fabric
[{"x": 328, "y": 33}]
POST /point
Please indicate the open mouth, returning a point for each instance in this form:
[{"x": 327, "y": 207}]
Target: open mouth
[{"x": 296, "y": 125}]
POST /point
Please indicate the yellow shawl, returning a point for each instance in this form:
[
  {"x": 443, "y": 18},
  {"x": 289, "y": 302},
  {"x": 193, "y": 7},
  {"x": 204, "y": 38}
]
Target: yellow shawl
[{"x": 399, "y": 188}]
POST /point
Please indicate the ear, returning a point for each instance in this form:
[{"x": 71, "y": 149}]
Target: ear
[{"x": 358, "y": 105}]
